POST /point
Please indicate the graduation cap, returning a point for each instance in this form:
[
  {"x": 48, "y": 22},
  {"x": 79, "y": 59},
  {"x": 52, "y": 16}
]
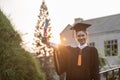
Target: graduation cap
[{"x": 80, "y": 27}]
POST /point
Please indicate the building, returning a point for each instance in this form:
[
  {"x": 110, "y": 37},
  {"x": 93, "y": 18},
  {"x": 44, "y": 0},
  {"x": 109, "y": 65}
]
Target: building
[{"x": 104, "y": 34}]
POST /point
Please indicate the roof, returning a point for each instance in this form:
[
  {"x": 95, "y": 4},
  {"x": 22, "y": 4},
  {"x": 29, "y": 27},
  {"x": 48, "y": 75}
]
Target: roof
[
  {"x": 104, "y": 24},
  {"x": 67, "y": 28},
  {"x": 99, "y": 25}
]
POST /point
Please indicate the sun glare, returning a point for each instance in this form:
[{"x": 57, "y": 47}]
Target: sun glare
[{"x": 55, "y": 40}]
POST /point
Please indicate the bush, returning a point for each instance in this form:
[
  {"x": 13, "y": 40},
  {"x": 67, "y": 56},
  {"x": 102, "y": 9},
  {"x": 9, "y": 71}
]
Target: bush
[
  {"x": 102, "y": 60},
  {"x": 15, "y": 62}
]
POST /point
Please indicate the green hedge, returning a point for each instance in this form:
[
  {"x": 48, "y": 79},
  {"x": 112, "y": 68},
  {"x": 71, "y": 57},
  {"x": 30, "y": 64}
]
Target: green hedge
[{"x": 15, "y": 62}]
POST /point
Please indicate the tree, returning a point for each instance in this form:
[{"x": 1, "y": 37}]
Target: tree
[
  {"x": 43, "y": 52},
  {"x": 15, "y": 62}
]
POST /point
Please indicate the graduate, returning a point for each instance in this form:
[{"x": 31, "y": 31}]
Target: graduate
[{"x": 79, "y": 63}]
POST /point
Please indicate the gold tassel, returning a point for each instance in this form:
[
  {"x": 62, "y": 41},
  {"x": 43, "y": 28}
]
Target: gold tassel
[
  {"x": 72, "y": 33},
  {"x": 79, "y": 60}
]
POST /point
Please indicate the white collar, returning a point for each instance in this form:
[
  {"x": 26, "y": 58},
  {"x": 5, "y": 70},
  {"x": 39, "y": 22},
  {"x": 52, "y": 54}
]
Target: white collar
[{"x": 82, "y": 46}]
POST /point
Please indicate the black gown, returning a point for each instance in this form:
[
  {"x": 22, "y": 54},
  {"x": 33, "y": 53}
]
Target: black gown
[{"x": 66, "y": 59}]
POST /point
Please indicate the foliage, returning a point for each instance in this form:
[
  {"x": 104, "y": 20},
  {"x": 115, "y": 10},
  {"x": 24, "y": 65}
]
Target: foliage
[
  {"x": 15, "y": 62},
  {"x": 102, "y": 60},
  {"x": 42, "y": 51}
]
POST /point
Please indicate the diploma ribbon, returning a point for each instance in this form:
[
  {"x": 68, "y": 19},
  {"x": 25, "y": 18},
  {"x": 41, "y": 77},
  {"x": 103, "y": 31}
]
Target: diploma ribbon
[{"x": 45, "y": 27}]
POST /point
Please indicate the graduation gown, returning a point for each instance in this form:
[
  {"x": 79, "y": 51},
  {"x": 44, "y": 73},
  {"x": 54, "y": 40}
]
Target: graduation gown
[{"x": 66, "y": 59}]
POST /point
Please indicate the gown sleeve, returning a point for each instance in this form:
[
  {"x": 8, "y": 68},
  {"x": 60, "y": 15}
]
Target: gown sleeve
[
  {"x": 95, "y": 65},
  {"x": 60, "y": 59}
]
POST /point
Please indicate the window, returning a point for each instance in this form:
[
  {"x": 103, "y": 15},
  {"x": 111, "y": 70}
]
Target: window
[
  {"x": 92, "y": 44},
  {"x": 111, "y": 48}
]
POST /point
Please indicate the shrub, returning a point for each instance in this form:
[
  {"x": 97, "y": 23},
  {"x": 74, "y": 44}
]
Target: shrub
[{"x": 15, "y": 62}]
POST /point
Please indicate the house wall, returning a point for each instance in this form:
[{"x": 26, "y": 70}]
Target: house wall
[
  {"x": 67, "y": 37},
  {"x": 99, "y": 39}
]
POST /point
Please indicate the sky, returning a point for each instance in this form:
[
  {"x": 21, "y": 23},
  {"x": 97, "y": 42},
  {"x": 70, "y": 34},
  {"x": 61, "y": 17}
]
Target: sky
[{"x": 23, "y": 13}]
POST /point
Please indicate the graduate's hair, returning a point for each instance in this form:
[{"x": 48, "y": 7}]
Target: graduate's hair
[{"x": 83, "y": 31}]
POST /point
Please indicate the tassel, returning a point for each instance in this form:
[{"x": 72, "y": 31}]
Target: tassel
[
  {"x": 79, "y": 60},
  {"x": 72, "y": 33}
]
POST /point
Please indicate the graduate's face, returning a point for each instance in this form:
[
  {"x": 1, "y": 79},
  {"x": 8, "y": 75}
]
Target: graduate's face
[{"x": 81, "y": 37}]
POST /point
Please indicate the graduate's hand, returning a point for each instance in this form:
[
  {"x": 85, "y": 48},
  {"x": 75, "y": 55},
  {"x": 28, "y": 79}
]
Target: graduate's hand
[
  {"x": 44, "y": 40},
  {"x": 49, "y": 44}
]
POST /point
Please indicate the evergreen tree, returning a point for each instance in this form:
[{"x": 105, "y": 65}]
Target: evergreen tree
[{"x": 43, "y": 52}]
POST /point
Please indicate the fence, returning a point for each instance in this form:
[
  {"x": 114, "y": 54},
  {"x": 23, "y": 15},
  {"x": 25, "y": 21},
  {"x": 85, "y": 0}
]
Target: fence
[{"x": 111, "y": 74}]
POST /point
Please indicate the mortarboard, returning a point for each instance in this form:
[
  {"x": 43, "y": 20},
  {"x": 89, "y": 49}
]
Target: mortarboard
[{"x": 80, "y": 27}]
